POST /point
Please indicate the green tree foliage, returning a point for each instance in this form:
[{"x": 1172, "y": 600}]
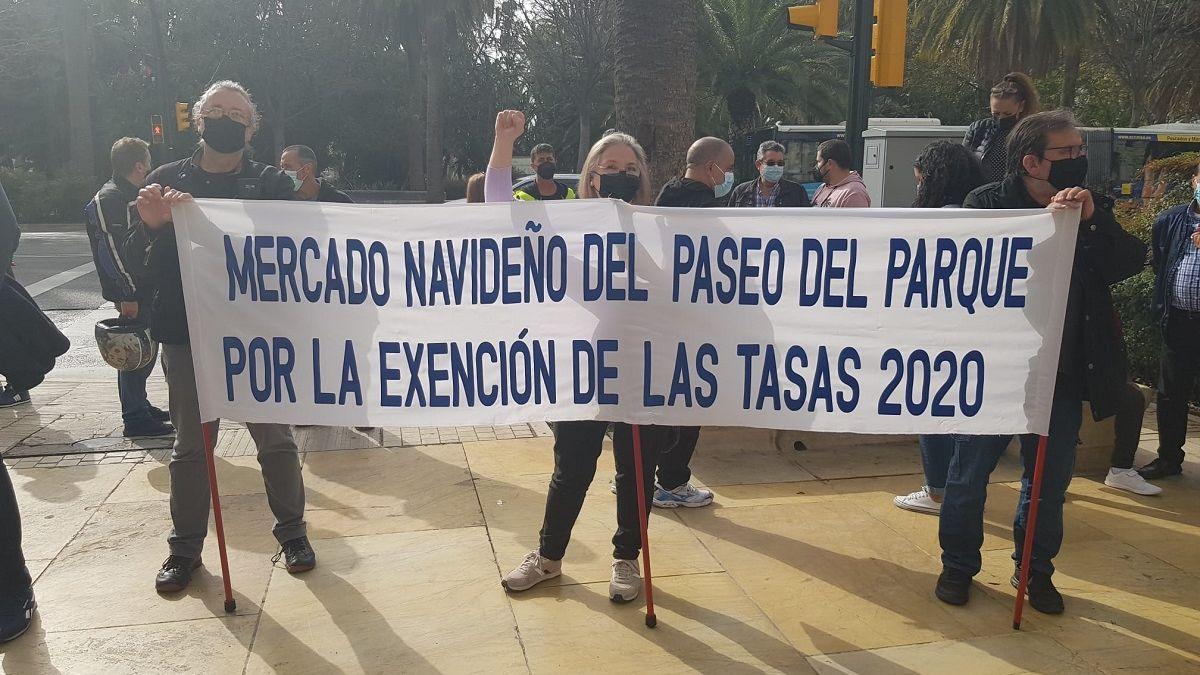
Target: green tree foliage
[{"x": 755, "y": 68}]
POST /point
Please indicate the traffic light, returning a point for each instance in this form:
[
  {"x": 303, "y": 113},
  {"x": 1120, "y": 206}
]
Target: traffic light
[
  {"x": 821, "y": 17},
  {"x": 891, "y": 25},
  {"x": 182, "y": 119},
  {"x": 156, "y": 129}
]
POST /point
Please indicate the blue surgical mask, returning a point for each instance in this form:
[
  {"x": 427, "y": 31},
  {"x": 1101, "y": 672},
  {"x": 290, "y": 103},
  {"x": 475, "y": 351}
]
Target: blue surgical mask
[
  {"x": 1197, "y": 194},
  {"x": 722, "y": 189},
  {"x": 772, "y": 174}
]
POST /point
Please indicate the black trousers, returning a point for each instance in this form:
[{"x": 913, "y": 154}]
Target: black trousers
[
  {"x": 1178, "y": 366},
  {"x": 577, "y": 446},
  {"x": 14, "y": 577},
  {"x": 673, "y": 466},
  {"x": 1127, "y": 426}
]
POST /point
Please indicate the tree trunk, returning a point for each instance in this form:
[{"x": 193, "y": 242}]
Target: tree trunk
[
  {"x": 655, "y": 79},
  {"x": 585, "y": 129},
  {"x": 79, "y": 107},
  {"x": 414, "y": 128},
  {"x": 1071, "y": 58},
  {"x": 435, "y": 46}
]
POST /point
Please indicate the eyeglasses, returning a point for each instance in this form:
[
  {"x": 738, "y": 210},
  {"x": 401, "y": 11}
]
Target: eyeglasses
[
  {"x": 239, "y": 116},
  {"x": 772, "y": 162},
  {"x": 1072, "y": 151}
]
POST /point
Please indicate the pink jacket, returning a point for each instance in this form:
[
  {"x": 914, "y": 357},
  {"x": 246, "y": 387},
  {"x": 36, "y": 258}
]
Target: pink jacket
[{"x": 850, "y": 193}]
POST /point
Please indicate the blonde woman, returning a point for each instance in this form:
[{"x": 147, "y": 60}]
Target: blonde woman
[{"x": 615, "y": 168}]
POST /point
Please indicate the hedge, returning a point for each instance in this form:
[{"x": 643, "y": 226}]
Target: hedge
[{"x": 37, "y": 197}]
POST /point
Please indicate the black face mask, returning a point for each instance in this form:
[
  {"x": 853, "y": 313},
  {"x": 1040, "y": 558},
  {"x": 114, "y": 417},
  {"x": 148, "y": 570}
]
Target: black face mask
[
  {"x": 621, "y": 186},
  {"x": 224, "y": 135},
  {"x": 818, "y": 175},
  {"x": 1068, "y": 173},
  {"x": 1005, "y": 123},
  {"x": 546, "y": 170}
]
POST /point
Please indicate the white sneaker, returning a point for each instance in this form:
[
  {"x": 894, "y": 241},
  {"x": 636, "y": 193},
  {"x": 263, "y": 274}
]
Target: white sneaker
[
  {"x": 533, "y": 570},
  {"x": 1130, "y": 480},
  {"x": 685, "y": 495},
  {"x": 918, "y": 501},
  {"x": 626, "y": 582}
]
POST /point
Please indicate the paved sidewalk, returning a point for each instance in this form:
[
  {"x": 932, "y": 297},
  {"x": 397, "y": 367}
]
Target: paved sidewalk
[{"x": 802, "y": 565}]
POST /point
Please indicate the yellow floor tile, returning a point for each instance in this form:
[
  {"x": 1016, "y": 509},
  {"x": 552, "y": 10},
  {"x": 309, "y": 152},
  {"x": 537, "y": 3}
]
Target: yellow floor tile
[
  {"x": 518, "y": 457},
  {"x": 705, "y": 624},
  {"x": 405, "y": 603},
  {"x": 105, "y": 577},
  {"x": 389, "y": 490},
  {"x": 999, "y": 655},
  {"x": 55, "y": 503},
  {"x": 151, "y": 481},
  {"x": 217, "y": 645},
  {"x": 514, "y": 511},
  {"x": 835, "y": 579}
]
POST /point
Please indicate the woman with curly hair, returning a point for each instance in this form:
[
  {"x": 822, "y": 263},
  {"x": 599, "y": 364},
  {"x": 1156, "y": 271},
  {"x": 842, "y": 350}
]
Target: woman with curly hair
[{"x": 945, "y": 173}]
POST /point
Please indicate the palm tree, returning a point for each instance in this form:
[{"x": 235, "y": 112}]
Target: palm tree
[
  {"x": 1139, "y": 40},
  {"x": 421, "y": 27},
  {"x": 750, "y": 60},
  {"x": 1005, "y": 35},
  {"x": 655, "y": 79}
]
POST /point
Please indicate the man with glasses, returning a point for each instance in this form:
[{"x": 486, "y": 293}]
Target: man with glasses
[
  {"x": 770, "y": 189},
  {"x": 1047, "y": 165},
  {"x": 226, "y": 118}
]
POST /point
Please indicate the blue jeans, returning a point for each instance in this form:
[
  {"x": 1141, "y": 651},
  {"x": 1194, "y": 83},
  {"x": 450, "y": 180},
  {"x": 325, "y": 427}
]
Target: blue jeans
[
  {"x": 960, "y": 529},
  {"x": 936, "y": 452},
  {"x": 131, "y": 387}
]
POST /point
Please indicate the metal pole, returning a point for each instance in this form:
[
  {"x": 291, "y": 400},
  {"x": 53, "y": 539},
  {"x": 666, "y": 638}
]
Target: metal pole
[
  {"x": 643, "y": 522},
  {"x": 1035, "y": 496},
  {"x": 860, "y": 79},
  {"x": 210, "y": 449}
]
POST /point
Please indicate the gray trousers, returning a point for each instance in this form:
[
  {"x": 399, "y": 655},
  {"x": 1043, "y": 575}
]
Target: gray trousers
[{"x": 190, "y": 497}]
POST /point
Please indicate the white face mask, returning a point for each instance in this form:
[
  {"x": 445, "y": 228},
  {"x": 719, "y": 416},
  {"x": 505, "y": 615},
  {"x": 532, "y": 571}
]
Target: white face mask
[{"x": 297, "y": 183}]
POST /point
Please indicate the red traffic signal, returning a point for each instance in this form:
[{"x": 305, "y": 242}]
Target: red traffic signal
[{"x": 156, "y": 129}]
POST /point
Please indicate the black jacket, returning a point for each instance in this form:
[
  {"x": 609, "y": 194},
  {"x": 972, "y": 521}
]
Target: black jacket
[
  {"x": 1092, "y": 364},
  {"x": 790, "y": 194},
  {"x": 29, "y": 340},
  {"x": 10, "y": 234},
  {"x": 107, "y": 217},
  {"x": 155, "y": 253},
  {"x": 1172, "y": 235},
  {"x": 988, "y": 141},
  {"x": 685, "y": 192},
  {"x": 328, "y": 193}
]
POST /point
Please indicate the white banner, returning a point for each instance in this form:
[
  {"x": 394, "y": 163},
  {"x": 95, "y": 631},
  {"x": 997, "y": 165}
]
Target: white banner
[{"x": 870, "y": 321}]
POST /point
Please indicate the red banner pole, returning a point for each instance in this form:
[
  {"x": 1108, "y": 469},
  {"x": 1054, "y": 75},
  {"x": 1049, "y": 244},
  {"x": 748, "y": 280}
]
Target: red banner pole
[
  {"x": 1035, "y": 493},
  {"x": 639, "y": 474},
  {"x": 210, "y": 447}
]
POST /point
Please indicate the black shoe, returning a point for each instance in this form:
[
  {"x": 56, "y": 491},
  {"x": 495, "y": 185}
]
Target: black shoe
[
  {"x": 1160, "y": 468},
  {"x": 1043, "y": 596},
  {"x": 149, "y": 428},
  {"x": 10, "y": 397},
  {"x": 953, "y": 587},
  {"x": 176, "y": 574},
  {"x": 16, "y": 616},
  {"x": 298, "y": 556},
  {"x": 158, "y": 414}
]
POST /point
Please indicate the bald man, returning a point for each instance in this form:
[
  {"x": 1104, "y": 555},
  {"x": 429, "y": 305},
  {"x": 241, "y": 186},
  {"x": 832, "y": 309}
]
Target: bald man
[
  {"x": 706, "y": 181},
  {"x": 707, "y": 178}
]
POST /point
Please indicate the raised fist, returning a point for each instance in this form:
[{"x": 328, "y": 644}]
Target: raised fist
[{"x": 510, "y": 124}]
